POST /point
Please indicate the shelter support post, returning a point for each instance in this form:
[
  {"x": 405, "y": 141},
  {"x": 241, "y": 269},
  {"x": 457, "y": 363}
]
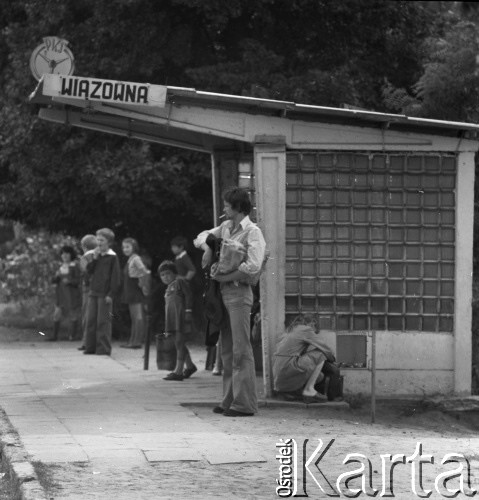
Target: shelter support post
[
  {"x": 373, "y": 376},
  {"x": 225, "y": 174},
  {"x": 270, "y": 185},
  {"x": 463, "y": 274},
  {"x": 214, "y": 189}
]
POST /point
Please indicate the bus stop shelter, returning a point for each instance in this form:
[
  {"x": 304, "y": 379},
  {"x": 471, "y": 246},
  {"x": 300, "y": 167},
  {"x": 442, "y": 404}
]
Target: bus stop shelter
[{"x": 368, "y": 217}]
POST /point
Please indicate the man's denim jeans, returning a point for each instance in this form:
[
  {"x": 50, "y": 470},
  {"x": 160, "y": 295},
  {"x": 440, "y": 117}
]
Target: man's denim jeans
[{"x": 239, "y": 376}]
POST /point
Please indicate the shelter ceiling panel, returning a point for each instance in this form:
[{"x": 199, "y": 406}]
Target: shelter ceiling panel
[
  {"x": 334, "y": 135},
  {"x": 135, "y": 129}
]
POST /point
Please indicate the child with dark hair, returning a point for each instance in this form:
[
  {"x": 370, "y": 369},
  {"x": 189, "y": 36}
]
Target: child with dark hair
[
  {"x": 104, "y": 276},
  {"x": 134, "y": 291},
  {"x": 177, "y": 318},
  {"x": 68, "y": 293},
  {"x": 184, "y": 265},
  {"x": 187, "y": 271}
]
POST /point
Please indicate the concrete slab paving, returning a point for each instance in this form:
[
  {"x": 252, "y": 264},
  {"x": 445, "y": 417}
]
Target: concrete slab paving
[
  {"x": 133, "y": 455},
  {"x": 186, "y": 454},
  {"x": 225, "y": 456},
  {"x": 58, "y": 454},
  {"x": 54, "y": 439},
  {"x": 108, "y": 410}
]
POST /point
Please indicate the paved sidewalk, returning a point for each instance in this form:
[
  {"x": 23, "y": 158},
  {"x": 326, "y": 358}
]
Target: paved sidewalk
[
  {"x": 110, "y": 430},
  {"x": 68, "y": 407}
]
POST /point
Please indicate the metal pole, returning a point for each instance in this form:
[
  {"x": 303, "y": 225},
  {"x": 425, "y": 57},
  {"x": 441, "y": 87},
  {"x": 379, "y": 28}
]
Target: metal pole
[
  {"x": 373, "y": 377},
  {"x": 214, "y": 189},
  {"x": 146, "y": 356}
]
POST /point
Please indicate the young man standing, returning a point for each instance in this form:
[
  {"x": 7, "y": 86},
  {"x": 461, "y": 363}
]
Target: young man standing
[
  {"x": 104, "y": 272},
  {"x": 239, "y": 376}
]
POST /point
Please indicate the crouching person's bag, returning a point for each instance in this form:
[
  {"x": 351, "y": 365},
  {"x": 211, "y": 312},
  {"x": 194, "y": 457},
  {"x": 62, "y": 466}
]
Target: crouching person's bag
[{"x": 332, "y": 383}]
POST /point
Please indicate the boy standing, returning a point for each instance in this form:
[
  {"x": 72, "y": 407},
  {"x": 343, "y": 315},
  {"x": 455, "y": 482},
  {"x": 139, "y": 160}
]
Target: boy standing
[
  {"x": 186, "y": 271},
  {"x": 88, "y": 243},
  {"x": 104, "y": 274},
  {"x": 177, "y": 317}
]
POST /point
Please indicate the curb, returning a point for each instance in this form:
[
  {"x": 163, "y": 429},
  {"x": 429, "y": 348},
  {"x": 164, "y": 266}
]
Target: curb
[
  {"x": 276, "y": 403},
  {"x": 455, "y": 404},
  {"x": 15, "y": 457}
]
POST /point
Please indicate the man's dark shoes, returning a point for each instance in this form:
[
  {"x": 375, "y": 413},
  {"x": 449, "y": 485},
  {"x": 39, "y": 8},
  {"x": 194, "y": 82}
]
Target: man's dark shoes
[
  {"x": 236, "y": 413},
  {"x": 88, "y": 352},
  {"x": 187, "y": 372},
  {"x": 218, "y": 409},
  {"x": 81, "y": 348},
  {"x": 173, "y": 376}
]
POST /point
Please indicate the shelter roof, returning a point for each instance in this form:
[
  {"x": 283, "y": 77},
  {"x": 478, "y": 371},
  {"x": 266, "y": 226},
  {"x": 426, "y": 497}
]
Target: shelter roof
[{"x": 147, "y": 121}]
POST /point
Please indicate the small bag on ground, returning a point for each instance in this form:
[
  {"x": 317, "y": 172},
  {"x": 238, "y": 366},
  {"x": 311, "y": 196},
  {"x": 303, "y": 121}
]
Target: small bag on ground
[
  {"x": 165, "y": 352},
  {"x": 332, "y": 383}
]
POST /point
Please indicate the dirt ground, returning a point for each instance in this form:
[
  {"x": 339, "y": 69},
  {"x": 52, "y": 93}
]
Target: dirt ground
[{"x": 7, "y": 487}]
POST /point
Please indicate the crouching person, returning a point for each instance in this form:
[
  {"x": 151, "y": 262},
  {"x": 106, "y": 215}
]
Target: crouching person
[
  {"x": 104, "y": 273},
  {"x": 298, "y": 363}
]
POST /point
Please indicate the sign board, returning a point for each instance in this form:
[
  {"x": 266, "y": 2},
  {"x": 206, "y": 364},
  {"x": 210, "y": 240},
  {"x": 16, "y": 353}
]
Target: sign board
[{"x": 112, "y": 91}]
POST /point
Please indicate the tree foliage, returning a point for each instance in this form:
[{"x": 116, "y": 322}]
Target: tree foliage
[
  {"x": 448, "y": 88},
  {"x": 309, "y": 51}
]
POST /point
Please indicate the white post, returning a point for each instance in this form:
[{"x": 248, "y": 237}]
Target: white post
[
  {"x": 463, "y": 273},
  {"x": 214, "y": 189},
  {"x": 270, "y": 179}
]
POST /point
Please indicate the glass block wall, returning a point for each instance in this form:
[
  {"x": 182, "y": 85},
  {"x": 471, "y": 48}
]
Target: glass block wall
[{"x": 370, "y": 240}]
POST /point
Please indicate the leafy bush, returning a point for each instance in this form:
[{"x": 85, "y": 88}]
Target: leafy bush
[{"x": 28, "y": 270}]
